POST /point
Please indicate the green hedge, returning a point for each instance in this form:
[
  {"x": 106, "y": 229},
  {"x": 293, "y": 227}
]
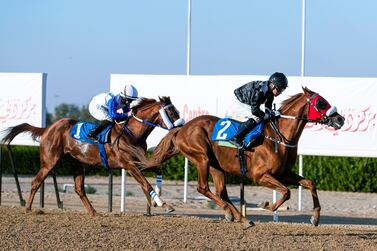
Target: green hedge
[
  {"x": 329, "y": 173},
  {"x": 26, "y": 160}
]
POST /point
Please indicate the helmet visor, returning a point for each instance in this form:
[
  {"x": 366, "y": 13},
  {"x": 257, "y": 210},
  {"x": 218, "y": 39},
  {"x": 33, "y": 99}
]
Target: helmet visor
[{"x": 278, "y": 88}]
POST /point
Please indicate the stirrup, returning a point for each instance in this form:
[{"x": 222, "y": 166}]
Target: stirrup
[{"x": 93, "y": 138}]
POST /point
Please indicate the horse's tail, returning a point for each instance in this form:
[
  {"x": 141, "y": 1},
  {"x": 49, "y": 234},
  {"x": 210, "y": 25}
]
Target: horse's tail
[
  {"x": 167, "y": 147},
  {"x": 164, "y": 150},
  {"x": 12, "y": 132}
]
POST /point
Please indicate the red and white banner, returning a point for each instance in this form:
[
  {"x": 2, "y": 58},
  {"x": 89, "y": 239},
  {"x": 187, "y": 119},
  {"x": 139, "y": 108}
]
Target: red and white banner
[
  {"x": 22, "y": 100},
  {"x": 198, "y": 95}
]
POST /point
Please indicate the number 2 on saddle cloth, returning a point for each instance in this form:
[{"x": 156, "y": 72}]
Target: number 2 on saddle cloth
[{"x": 226, "y": 128}]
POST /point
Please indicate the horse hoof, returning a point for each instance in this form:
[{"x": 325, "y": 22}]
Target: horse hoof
[
  {"x": 314, "y": 221},
  {"x": 263, "y": 204},
  {"x": 169, "y": 209},
  {"x": 154, "y": 204},
  {"x": 92, "y": 213},
  {"x": 229, "y": 217},
  {"x": 248, "y": 224}
]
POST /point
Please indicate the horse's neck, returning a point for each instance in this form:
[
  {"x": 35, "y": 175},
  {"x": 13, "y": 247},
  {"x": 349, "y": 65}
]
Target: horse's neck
[
  {"x": 293, "y": 128},
  {"x": 141, "y": 130}
]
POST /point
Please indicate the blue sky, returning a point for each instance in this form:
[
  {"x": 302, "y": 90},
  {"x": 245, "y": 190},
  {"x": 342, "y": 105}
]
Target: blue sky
[{"x": 79, "y": 43}]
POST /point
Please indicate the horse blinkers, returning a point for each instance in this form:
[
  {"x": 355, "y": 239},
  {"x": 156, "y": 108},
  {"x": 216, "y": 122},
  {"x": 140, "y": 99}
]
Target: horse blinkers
[
  {"x": 170, "y": 116},
  {"x": 321, "y": 111}
]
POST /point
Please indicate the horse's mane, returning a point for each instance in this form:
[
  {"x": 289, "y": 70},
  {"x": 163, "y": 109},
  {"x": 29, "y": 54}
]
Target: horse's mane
[
  {"x": 141, "y": 102},
  {"x": 293, "y": 98},
  {"x": 290, "y": 100}
]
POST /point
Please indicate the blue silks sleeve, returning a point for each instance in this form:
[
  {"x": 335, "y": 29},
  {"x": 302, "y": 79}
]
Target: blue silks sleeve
[{"x": 113, "y": 104}]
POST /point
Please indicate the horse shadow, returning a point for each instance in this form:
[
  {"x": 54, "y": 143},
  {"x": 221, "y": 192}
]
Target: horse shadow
[
  {"x": 259, "y": 215},
  {"x": 300, "y": 218}
]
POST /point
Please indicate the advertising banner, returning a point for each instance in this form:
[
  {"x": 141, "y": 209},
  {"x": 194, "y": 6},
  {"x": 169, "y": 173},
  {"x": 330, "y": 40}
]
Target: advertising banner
[
  {"x": 200, "y": 95},
  {"x": 22, "y": 100}
]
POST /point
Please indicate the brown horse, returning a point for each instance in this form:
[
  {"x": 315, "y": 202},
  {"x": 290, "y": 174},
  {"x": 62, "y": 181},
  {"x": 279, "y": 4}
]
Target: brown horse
[
  {"x": 55, "y": 141},
  {"x": 268, "y": 164}
]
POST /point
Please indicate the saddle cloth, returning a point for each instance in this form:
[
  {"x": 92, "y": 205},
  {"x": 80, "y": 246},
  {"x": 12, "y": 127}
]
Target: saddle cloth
[
  {"x": 80, "y": 131},
  {"x": 226, "y": 128}
]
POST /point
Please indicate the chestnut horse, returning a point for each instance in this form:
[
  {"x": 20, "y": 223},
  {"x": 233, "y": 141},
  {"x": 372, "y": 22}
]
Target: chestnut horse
[
  {"x": 55, "y": 141},
  {"x": 269, "y": 164}
]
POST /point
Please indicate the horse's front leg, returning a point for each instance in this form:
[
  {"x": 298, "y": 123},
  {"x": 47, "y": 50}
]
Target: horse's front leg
[
  {"x": 158, "y": 187},
  {"x": 295, "y": 179},
  {"x": 231, "y": 212},
  {"x": 150, "y": 194},
  {"x": 222, "y": 196},
  {"x": 267, "y": 180}
]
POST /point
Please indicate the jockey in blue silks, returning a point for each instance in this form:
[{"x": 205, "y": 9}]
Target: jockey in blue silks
[{"x": 108, "y": 107}]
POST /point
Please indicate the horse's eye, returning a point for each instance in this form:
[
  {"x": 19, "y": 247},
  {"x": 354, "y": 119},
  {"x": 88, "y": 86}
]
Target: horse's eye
[{"x": 321, "y": 104}]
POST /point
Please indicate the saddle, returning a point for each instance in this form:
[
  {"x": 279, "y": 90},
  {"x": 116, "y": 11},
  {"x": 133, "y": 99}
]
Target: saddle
[
  {"x": 80, "y": 131},
  {"x": 226, "y": 128}
]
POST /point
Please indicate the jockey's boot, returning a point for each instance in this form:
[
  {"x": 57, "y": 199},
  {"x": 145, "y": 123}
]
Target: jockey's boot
[
  {"x": 244, "y": 129},
  {"x": 93, "y": 134}
]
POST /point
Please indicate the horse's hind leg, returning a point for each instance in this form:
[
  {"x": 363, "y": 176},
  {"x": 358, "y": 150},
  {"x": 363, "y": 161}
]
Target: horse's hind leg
[
  {"x": 47, "y": 164},
  {"x": 295, "y": 179},
  {"x": 79, "y": 177}
]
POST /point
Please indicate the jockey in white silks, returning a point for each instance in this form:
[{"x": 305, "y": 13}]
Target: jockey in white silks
[{"x": 105, "y": 107}]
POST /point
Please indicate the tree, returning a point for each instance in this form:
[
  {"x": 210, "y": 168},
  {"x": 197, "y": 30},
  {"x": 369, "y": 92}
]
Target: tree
[{"x": 70, "y": 111}]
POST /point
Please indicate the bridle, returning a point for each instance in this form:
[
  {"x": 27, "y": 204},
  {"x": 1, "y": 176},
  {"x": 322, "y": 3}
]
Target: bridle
[
  {"x": 324, "y": 118},
  {"x": 290, "y": 143},
  {"x": 165, "y": 118}
]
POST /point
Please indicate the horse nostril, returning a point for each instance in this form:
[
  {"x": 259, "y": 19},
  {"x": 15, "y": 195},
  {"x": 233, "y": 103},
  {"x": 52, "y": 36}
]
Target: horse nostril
[{"x": 341, "y": 120}]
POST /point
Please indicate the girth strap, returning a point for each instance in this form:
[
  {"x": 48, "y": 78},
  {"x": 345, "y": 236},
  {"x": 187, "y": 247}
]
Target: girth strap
[{"x": 241, "y": 157}]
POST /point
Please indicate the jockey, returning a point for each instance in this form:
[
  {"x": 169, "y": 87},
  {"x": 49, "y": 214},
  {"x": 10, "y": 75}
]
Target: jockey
[
  {"x": 254, "y": 94},
  {"x": 105, "y": 107}
]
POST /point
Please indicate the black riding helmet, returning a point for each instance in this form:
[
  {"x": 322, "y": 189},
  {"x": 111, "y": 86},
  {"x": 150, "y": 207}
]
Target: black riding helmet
[{"x": 279, "y": 80}]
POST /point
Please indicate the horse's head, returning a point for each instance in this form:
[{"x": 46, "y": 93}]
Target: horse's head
[
  {"x": 321, "y": 111},
  {"x": 157, "y": 113}
]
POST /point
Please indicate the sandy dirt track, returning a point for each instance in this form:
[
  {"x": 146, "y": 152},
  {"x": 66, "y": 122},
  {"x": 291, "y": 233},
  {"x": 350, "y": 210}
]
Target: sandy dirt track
[
  {"x": 51, "y": 229},
  {"x": 349, "y": 221}
]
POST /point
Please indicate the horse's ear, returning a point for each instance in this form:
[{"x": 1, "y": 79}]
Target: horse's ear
[
  {"x": 164, "y": 98},
  {"x": 306, "y": 90}
]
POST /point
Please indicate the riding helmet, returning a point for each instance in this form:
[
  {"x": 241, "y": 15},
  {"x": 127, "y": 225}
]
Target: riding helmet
[
  {"x": 279, "y": 80},
  {"x": 129, "y": 92}
]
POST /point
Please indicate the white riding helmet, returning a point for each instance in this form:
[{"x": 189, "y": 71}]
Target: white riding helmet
[{"x": 129, "y": 92}]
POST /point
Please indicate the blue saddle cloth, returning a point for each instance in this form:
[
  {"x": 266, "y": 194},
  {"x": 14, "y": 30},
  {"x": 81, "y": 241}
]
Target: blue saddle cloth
[
  {"x": 226, "y": 128},
  {"x": 80, "y": 131}
]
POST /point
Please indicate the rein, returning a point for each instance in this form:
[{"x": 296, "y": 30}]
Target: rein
[
  {"x": 148, "y": 123},
  {"x": 164, "y": 115},
  {"x": 317, "y": 121},
  {"x": 283, "y": 140}
]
